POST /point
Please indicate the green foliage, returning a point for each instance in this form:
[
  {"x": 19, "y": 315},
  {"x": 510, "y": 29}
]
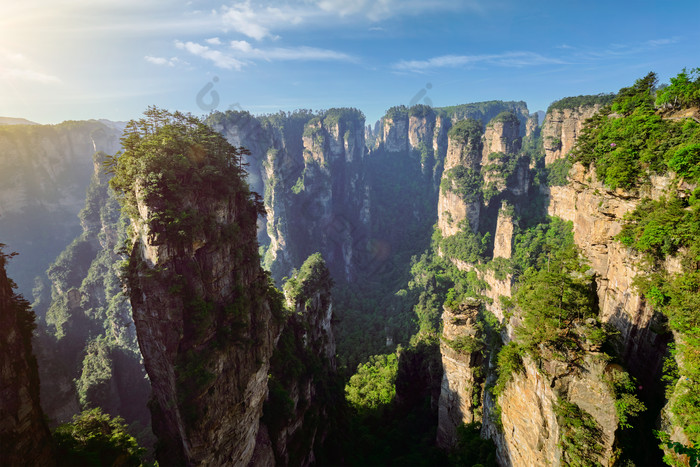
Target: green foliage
[
  {"x": 581, "y": 101},
  {"x": 536, "y": 246},
  {"x": 299, "y": 185},
  {"x": 96, "y": 439},
  {"x": 399, "y": 112},
  {"x": 464, "y": 181},
  {"x": 684, "y": 90},
  {"x": 170, "y": 159},
  {"x": 465, "y": 245},
  {"x": 472, "y": 449},
  {"x": 466, "y": 344},
  {"x": 343, "y": 116},
  {"x": 501, "y": 170},
  {"x": 627, "y": 405},
  {"x": 468, "y": 131},
  {"x": 312, "y": 276},
  {"x": 690, "y": 454},
  {"x": 580, "y": 435},
  {"x": 373, "y": 386},
  {"x": 627, "y": 141},
  {"x": 421, "y": 111},
  {"x": 558, "y": 171},
  {"x": 660, "y": 227},
  {"x": 482, "y": 111},
  {"x": 507, "y": 116},
  {"x": 510, "y": 361},
  {"x": 553, "y": 299}
]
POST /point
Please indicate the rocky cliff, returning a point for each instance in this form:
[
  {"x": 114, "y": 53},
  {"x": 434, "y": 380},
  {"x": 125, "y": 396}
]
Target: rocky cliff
[
  {"x": 44, "y": 172},
  {"x": 597, "y": 213},
  {"x": 88, "y": 355},
  {"x": 310, "y": 166},
  {"x": 529, "y": 413},
  {"x": 24, "y": 436},
  {"x": 208, "y": 317},
  {"x": 302, "y": 405},
  {"x": 461, "y": 347},
  {"x": 563, "y": 123}
]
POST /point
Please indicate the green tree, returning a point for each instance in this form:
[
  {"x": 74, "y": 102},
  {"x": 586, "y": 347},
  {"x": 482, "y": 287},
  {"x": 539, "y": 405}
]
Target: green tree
[{"x": 95, "y": 439}]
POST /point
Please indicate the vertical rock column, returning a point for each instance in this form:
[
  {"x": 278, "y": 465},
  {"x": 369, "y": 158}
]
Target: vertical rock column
[
  {"x": 24, "y": 437},
  {"x": 460, "y": 346},
  {"x": 464, "y": 151}
]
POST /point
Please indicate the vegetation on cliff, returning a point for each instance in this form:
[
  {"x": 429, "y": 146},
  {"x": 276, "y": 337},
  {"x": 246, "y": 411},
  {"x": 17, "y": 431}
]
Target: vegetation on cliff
[
  {"x": 638, "y": 135},
  {"x": 627, "y": 140},
  {"x": 169, "y": 162}
]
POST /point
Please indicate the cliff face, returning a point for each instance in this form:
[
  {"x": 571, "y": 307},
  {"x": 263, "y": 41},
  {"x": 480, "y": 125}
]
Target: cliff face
[
  {"x": 561, "y": 127},
  {"x": 395, "y": 133},
  {"x": 311, "y": 169},
  {"x": 334, "y": 199},
  {"x": 89, "y": 320},
  {"x": 527, "y": 419},
  {"x": 597, "y": 213},
  {"x": 24, "y": 436},
  {"x": 461, "y": 348},
  {"x": 299, "y": 411},
  {"x": 44, "y": 172},
  {"x": 206, "y": 315},
  {"x": 531, "y": 428},
  {"x": 207, "y": 348}
]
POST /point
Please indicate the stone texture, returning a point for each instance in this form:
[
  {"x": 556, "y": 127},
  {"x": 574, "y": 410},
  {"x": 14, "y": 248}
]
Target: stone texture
[
  {"x": 597, "y": 213},
  {"x": 561, "y": 128},
  {"x": 395, "y": 134},
  {"x": 208, "y": 389},
  {"x": 24, "y": 436},
  {"x": 460, "y": 395}
]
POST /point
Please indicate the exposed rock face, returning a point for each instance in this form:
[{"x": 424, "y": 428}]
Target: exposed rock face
[
  {"x": 503, "y": 239},
  {"x": 44, "y": 172},
  {"x": 466, "y": 152},
  {"x": 421, "y": 130},
  {"x": 561, "y": 128},
  {"x": 531, "y": 125},
  {"x": 460, "y": 395},
  {"x": 452, "y": 211},
  {"x": 597, "y": 213},
  {"x": 462, "y": 151},
  {"x": 395, "y": 133},
  {"x": 311, "y": 169},
  {"x": 531, "y": 429},
  {"x": 501, "y": 136},
  {"x": 24, "y": 436},
  {"x": 296, "y": 431},
  {"x": 87, "y": 303},
  {"x": 206, "y": 328}
]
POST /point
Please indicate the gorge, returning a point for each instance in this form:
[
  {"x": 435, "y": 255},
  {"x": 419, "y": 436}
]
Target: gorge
[{"x": 456, "y": 285}]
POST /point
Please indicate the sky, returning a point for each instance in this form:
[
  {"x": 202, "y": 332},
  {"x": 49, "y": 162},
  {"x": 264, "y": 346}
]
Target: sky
[{"x": 82, "y": 59}]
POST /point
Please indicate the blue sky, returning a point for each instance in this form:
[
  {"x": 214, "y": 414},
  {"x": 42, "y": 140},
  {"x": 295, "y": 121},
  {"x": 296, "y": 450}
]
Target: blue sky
[{"x": 80, "y": 59}]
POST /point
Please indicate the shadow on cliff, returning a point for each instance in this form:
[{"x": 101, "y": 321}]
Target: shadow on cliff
[{"x": 642, "y": 349}]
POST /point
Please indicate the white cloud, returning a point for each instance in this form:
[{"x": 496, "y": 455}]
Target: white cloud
[
  {"x": 213, "y": 41},
  {"x": 162, "y": 61},
  {"x": 244, "y": 49},
  {"x": 507, "y": 59},
  {"x": 219, "y": 59},
  {"x": 260, "y": 20},
  {"x": 241, "y": 53},
  {"x": 241, "y": 46}
]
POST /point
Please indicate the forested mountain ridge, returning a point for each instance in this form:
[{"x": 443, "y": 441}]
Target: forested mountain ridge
[{"x": 541, "y": 282}]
